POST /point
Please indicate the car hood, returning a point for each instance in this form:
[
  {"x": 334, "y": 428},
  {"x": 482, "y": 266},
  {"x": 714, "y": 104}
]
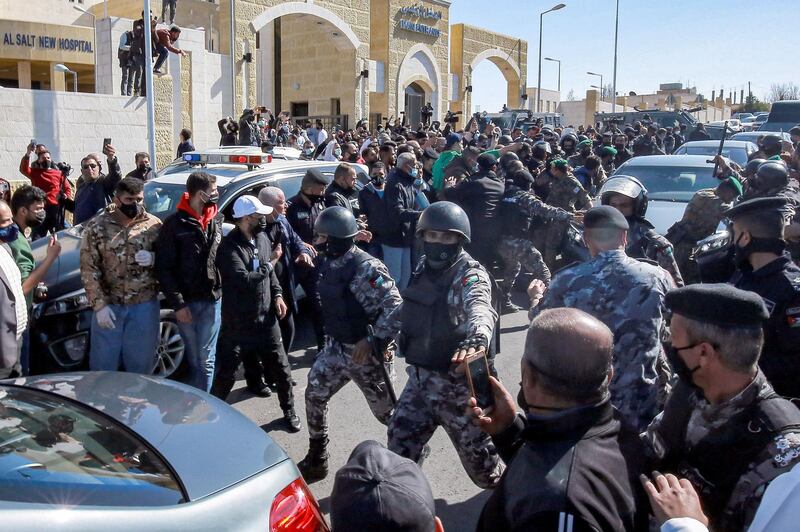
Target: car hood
[
  {"x": 208, "y": 443},
  {"x": 662, "y": 214}
]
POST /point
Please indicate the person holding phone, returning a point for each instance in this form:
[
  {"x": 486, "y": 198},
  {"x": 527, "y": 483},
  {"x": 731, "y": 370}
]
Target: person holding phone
[
  {"x": 446, "y": 317},
  {"x": 572, "y": 461}
]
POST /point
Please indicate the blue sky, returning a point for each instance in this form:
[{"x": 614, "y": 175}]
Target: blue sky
[{"x": 712, "y": 44}]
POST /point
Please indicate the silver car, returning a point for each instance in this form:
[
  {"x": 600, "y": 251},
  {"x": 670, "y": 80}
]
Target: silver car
[
  {"x": 738, "y": 151},
  {"x": 107, "y": 451}
]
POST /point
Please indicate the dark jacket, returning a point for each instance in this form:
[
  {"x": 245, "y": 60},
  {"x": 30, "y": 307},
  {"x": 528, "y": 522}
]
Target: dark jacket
[
  {"x": 250, "y": 291},
  {"x": 226, "y": 138},
  {"x": 373, "y": 207},
  {"x": 400, "y": 199},
  {"x": 302, "y": 217},
  {"x": 699, "y": 134},
  {"x": 91, "y": 198},
  {"x": 139, "y": 174},
  {"x": 281, "y": 232},
  {"x": 480, "y": 197},
  {"x": 576, "y": 467},
  {"x": 183, "y": 147},
  {"x": 185, "y": 259},
  {"x": 339, "y": 196}
]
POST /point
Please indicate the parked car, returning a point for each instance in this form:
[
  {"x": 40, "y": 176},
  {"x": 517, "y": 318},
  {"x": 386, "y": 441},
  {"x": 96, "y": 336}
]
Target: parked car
[
  {"x": 115, "y": 451},
  {"x": 753, "y": 136},
  {"x": 760, "y": 120},
  {"x": 734, "y": 125},
  {"x": 736, "y": 150},
  {"x": 747, "y": 123},
  {"x": 671, "y": 181},
  {"x": 783, "y": 116},
  {"x": 61, "y": 323}
]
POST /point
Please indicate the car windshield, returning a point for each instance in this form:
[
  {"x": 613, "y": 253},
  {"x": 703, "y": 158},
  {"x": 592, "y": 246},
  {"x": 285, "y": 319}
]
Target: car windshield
[
  {"x": 739, "y": 155},
  {"x": 54, "y": 451},
  {"x": 671, "y": 183}
]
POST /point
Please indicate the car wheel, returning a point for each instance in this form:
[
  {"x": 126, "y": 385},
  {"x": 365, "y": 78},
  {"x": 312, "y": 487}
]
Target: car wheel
[{"x": 169, "y": 353}]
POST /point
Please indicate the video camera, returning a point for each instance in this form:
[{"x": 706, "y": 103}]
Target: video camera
[{"x": 64, "y": 168}]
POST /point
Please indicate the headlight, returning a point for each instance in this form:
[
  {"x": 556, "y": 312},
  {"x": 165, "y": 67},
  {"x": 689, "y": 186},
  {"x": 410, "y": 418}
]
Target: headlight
[
  {"x": 72, "y": 302},
  {"x": 713, "y": 243}
]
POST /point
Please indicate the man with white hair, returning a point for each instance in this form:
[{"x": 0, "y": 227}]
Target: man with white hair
[
  {"x": 288, "y": 249},
  {"x": 402, "y": 214}
]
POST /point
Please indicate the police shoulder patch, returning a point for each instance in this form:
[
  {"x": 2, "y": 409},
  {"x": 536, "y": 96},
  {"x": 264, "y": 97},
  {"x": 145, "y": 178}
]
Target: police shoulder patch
[
  {"x": 793, "y": 317},
  {"x": 787, "y": 449},
  {"x": 377, "y": 280},
  {"x": 469, "y": 279}
]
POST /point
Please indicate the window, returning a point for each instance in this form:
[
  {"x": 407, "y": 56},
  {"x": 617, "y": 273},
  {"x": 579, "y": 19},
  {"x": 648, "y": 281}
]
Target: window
[{"x": 57, "y": 452}]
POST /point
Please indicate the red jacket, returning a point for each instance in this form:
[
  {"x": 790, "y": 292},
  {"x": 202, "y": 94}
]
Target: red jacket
[{"x": 48, "y": 179}]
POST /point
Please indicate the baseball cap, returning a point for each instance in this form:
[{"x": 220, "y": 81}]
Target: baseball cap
[
  {"x": 247, "y": 205},
  {"x": 380, "y": 490}
]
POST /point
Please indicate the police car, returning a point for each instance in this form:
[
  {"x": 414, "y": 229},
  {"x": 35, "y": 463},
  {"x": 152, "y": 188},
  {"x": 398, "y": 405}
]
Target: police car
[{"x": 61, "y": 320}]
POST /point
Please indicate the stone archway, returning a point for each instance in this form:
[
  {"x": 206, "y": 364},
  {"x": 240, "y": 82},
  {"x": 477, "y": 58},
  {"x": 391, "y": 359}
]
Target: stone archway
[
  {"x": 419, "y": 66},
  {"x": 469, "y": 46}
]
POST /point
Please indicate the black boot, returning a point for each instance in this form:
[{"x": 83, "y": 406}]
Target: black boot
[
  {"x": 509, "y": 306},
  {"x": 314, "y": 467},
  {"x": 292, "y": 420}
]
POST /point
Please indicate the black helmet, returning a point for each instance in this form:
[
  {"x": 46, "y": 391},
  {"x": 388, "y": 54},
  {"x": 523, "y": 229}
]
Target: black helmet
[
  {"x": 336, "y": 222},
  {"x": 752, "y": 166},
  {"x": 772, "y": 174},
  {"x": 771, "y": 144},
  {"x": 569, "y": 136},
  {"x": 443, "y": 216},
  {"x": 506, "y": 159},
  {"x": 627, "y": 186}
]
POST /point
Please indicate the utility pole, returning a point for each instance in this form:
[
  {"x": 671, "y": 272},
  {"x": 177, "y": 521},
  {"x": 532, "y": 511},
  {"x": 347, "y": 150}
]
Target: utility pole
[
  {"x": 148, "y": 76},
  {"x": 614, "y": 83}
]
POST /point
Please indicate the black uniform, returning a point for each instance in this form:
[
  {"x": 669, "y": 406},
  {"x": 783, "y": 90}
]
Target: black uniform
[
  {"x": 578, "y": 468},
  {"x": 249, "y": 322},
  {"x": 347, "y": 198},
  {"x": 778, "y": 284},
  {"x": 302, "y": 218},
  {"x": 480, "y": 197}
]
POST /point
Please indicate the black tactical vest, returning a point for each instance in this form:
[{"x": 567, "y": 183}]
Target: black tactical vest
[
  {"x": 717, "y": 462},
  {"x": 343, "y": 316},
  {"x": 515, "y": 223},
  {"x": 428, "y": 333}
]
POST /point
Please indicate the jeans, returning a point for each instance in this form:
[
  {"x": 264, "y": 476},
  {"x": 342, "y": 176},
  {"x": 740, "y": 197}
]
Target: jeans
[
  {"x": 163, "y": 53},
  {"x": 200, "y": 341},
  {"x": 171, "y": 4},
  {"x": 131, "y": 345},
  {"x": 137, "y": 73},
  {"x": 127, "y": 79},
  {"x": 398, "y": 261}
]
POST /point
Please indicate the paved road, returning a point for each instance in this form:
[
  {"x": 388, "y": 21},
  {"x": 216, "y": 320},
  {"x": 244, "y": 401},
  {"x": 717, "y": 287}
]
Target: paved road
[{"x": 458, "y": 500}]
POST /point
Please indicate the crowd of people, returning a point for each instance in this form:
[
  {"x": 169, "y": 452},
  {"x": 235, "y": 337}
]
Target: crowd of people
[{"x": 630, "y": 364}]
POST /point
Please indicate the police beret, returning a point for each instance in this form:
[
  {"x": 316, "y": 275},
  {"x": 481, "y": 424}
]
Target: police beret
[
  {"x": 608, "y": 150},
  {"x": 719, "y": 304},
  {"x": 604, "y": 217},
  {"x": 560, "y": 164},
  {"x": 733, "y": 184},
  {"x": 314, "y": 177},
  {"x": 583, "y": 143},
  {"x": 772, "y": 204}
]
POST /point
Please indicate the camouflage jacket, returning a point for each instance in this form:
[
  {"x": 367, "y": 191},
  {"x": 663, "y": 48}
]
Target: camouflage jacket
[
  {"x": 730, "y": 452},
  {"x": 567, "y": 193},
  {"x": 628, "y": 296},
  {"x": 376, "y": 292},
  {"x": 469, "y": 301},
  {"x": 109, "y": 272},
  {"x": 533, "y": 207},
  {"x": 703, "y": 214}
]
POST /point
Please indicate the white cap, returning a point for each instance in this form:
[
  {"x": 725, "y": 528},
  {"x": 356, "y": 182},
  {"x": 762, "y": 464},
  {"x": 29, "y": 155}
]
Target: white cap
[{"x": 247, "y": 205}]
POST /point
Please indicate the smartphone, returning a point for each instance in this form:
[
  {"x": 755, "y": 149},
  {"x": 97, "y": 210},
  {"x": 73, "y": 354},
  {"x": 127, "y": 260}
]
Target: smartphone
[
  {"x": 478, "y": 379},
  {"x": 106, "y": 141},
  {"x": 33, "y": 142}
]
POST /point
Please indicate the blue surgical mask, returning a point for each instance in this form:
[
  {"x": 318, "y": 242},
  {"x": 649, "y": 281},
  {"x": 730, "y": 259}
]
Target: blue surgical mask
[
  {"x": 9, "y": 234},
  {"x": 413, "y": 172},
  {"x": 337, "y": 152},
  {"x": 418, "y": 182}
]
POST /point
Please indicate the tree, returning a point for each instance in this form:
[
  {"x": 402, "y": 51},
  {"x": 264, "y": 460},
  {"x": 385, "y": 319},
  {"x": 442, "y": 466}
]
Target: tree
[
  {"x": 753, "y": 105},
  {"x": 571, "y": 96},
  {"x": 783, "y": 91}
]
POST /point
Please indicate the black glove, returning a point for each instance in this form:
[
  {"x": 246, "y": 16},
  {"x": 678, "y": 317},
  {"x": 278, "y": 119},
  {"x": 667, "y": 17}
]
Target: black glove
[{"x": 478, "y": 342}]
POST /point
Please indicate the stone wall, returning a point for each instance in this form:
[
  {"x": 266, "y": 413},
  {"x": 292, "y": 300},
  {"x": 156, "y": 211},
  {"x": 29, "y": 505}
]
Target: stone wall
[
  {"x": 506, "y": 52},
  {"x": 71, "y": 125}
]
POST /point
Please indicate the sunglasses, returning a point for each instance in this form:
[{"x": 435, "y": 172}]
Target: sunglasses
[{"x": 87, "y": 166}]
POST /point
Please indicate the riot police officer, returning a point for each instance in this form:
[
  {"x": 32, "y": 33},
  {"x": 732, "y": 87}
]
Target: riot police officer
[
  {"x": 628, "y": 196},
  {"x": 763, "y": 267},
  {"x": 446, "y": 316},
  {"x": 356, "y": 292},
  {"x": 772, "y": 146}
]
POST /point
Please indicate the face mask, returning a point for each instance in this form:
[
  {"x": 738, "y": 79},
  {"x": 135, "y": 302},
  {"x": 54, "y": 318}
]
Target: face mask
[
  {"x": 213, "y": 199},
  {"x": 314, "y": 198},
  {"x": 9, "y": 234},
  {"x": 308, "y": 151},
  {"x": 131, "y": 210},
  {"x": 143, "y": 168},
  {"x": 440, "y": 256},
  {"x": 334, "y": 247},
  {"x": 379, "y": 180},
  {"x": 38, "y": 219},
  {"x": 338, "y": 153},
  {"x": 678, "y": 365},
  {"x": 756, "y": 244},
  {"x": 413, "y": 172}
]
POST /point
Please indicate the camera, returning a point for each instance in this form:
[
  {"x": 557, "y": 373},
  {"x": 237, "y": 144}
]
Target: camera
[
  {"x": 64, "y": 168},
  {"x": 451, "y": 117}
]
